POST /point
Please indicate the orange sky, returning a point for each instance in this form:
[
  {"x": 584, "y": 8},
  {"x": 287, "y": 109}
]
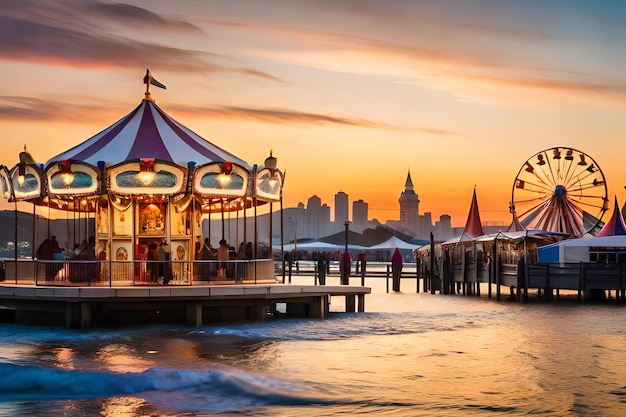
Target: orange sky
[{"x": 348, "y": 95}]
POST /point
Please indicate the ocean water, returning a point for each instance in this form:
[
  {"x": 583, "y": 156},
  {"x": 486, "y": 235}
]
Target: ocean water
[{"x": 409, "y": 354}]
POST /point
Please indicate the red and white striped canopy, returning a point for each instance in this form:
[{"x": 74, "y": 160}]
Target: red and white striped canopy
[{"x": 147, "y": 132}]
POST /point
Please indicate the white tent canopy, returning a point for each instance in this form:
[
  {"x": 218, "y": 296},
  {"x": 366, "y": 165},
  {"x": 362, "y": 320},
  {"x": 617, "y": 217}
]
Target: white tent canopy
[
  {"x": 392, "y": 243},
  {"x": 523, "y": 234},
  {"x": 321, "y": 246}
]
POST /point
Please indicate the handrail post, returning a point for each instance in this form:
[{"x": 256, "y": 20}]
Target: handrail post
[{"x": 387, "y": 279}]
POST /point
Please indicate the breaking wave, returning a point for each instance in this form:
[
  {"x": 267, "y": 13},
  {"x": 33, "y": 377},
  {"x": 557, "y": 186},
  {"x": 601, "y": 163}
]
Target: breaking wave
[{"x": 181, "y": 390}]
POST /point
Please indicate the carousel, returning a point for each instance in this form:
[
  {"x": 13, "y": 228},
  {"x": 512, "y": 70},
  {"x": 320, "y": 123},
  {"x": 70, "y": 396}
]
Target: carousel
[{"x": 145, "y": 184}]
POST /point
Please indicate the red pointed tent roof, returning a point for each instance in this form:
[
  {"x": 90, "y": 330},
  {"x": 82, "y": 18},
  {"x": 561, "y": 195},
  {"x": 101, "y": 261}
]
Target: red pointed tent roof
[
  {"x": 473, "y": 226},
  {"x": 615, "y": 226},
  {"x": 515, "y": 226},
  {"x": 147, "y": 132}
]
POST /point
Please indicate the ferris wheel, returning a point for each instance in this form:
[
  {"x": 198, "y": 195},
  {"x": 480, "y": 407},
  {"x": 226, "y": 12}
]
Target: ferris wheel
[{"x": 560, "y": 190}]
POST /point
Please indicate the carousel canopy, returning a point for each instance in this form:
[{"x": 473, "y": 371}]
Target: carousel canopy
[
  {"x": 148, "y": 154},
  {"x": 147, "y": 132}
]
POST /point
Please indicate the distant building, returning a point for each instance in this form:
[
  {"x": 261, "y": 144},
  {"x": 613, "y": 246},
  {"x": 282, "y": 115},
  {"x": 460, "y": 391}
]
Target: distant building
[
  {"x": 443, "y": 228},
  {"x": 295, "y": 223},
  {"x": 341, "y": 210},
  {"x": 312, "y": 214},
  {"x": 317, "y": 218},
  {"x": 409, "y": 207},
  {"x": 425, "y": 225},
  {"x": 325, "y": 225},
  {"x": 314, "y": 221},
  {"x": 359, "y": 214}
]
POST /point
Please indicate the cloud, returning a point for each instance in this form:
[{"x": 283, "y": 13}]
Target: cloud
[
  {"x": 43, "y": 44},
  {"x": 271, "y": 115},
  {"x": 557, "y": 83},
  {"x": 126, "y": 14},
  {"x": 80, "y": 110},
  {"x": 73, "y": 34},
  {"x": 479, "y": 58},
  {"x": 25, "y": 109},
  {"x": 282, "y": 116}
]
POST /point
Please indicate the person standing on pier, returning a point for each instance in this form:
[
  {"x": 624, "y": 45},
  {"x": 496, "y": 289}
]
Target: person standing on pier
[
  {"x": 363, "y": 263},
  {"x": 222, "y": 258},
  {"x": 396, "y": 269},
  {"x": 321, "y": 268}
]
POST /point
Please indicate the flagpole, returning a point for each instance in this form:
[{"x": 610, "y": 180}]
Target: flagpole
[{"x": 146, "y": 80}]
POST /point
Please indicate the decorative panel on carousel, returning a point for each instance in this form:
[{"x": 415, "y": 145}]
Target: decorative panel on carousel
[
  {"x": 268, "y": 183},
  {"x": 181, "y": 213},
  {"x": 102, "y": 220},
  {"x": 73, "y": 178},
  {"x": 121, "y": 265},
  {"x": 220, "y": 179},
  {"x": 122, "y": 216},
  {"x": 27, "y": 182},
  {"x": 5, "y": 183},
  {"x": 180, "y": 258},
  {"x": 152, "y": 218},
  {"x": 146, "y": 177}
]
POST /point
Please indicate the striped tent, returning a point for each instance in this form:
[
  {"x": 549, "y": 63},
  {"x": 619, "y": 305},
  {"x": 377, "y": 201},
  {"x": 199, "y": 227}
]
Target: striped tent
[
  {"x": 147, "y": 132},
  {"x": 149, "y": 154}
]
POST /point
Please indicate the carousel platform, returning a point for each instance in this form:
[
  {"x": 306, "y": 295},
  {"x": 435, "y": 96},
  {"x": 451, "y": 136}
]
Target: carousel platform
[{"x": 85, "y": 307}]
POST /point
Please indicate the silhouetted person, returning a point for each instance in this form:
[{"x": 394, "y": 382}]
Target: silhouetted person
[
  {"x": 344, "y": 268},
  {"x": 164, "y": 258},
  {"x": 222, "y": 257},
  {"x": 46, "y": 252},
  {"x": 207, "y": 254},
  {"x": 321, "y": 268},
  {"x": 363, "y": 262},
  {"x": 155, "y": 266},
  {"x": 396, "y": 269},
  {"x": 55, "y": 244},
  {"x": 521, "y": 275}
]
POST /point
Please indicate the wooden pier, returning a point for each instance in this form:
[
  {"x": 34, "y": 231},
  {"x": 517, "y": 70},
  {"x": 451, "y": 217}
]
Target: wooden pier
[
  {"x": 84, "y": 307},
  {"x": 586, "y": 280}
]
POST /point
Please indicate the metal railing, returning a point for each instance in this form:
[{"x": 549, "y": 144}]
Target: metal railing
[{"x": 135, "y": 273}]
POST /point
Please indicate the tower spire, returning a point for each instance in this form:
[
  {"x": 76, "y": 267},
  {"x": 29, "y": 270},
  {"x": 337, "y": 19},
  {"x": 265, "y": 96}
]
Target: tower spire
[
  {"x": 409, "y": 206},
  {"x": 408, "y": 185}
]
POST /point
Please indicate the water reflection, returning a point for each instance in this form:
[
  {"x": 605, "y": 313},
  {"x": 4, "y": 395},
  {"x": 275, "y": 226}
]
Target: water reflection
[{"x": 410, "y": 354}]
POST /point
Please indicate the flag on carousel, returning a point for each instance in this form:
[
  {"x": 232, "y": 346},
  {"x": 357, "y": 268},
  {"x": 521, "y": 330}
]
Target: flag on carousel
[{"x": 148, "y": 79}]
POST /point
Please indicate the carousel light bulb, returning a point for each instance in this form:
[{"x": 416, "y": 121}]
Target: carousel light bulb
[
  {"x": 68, "y": 178},
  {"x": 21, "y": 174},
  {"x": 223, "y": 179},
  {"x": 145, "y": 177}
]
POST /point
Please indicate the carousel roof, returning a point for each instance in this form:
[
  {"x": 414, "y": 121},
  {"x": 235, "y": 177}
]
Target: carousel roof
[{"x": 147, "y": 132}]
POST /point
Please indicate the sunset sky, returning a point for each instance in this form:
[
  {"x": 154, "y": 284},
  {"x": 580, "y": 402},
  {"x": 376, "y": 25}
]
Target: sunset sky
[{"x": 348, "y": 95}]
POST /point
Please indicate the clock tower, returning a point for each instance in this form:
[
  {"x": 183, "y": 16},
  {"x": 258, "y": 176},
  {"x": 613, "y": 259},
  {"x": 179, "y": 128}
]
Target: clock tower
[{"x": 409, "y": 206}]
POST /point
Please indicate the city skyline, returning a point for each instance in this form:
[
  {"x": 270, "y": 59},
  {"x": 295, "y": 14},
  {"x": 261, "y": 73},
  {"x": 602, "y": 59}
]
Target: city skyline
[
  {"x": 348, "y": 96},
  {"x": 316, "y": 216}
]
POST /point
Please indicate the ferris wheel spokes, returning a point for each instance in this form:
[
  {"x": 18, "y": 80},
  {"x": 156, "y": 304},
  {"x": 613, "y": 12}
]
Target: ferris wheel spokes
[{"x": 555, "y": 190}]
